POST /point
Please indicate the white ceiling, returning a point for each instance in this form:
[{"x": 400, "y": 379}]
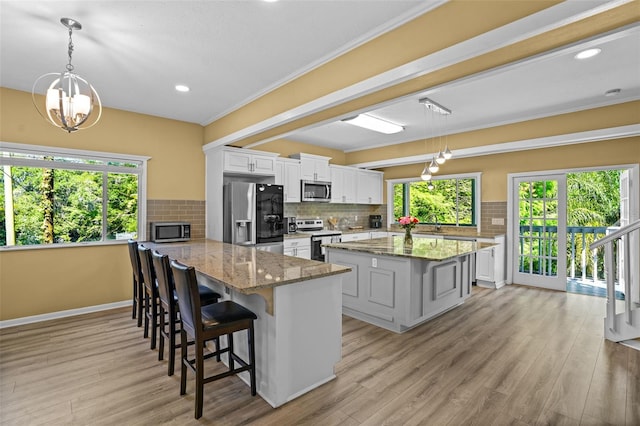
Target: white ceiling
[{"x": 230, "y": 52}]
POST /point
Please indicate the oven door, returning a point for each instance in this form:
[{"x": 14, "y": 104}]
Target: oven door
[{"x": 317, "y": 251}]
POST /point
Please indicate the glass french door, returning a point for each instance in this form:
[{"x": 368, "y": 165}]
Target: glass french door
[{"x": 540, "y": 257}]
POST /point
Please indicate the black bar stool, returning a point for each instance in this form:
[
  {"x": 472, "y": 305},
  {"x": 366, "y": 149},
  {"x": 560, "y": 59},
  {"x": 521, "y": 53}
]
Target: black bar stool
[
  {"x": 207, "y": 323},
  {"x": 169, "y": 309},
  {"x": 151, "y": 298},
  {"x": 138, "y": 291}
]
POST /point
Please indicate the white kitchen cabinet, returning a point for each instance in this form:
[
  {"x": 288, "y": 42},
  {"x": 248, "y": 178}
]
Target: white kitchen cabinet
[
  {"x": 298, "y": 247},
  {"x": 490, "y": 263},
  {"x": 379, "y": 234},
  {"x": 369, "y": 184},
  {"x": 288, "y": 175},
  {"x": 356, "y": 236},
  {"x": 343, "y": 184},
  {"x": 249, "y": 162},
  {"x": 313, "y": 167}
]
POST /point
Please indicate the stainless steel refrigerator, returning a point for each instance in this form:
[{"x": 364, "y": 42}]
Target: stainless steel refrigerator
[{"x": 253, "y": 215}]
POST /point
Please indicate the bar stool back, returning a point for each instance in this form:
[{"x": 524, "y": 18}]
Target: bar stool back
[
  {"x": 138, "y": 291},
  {"x": 169, "y": 310},
  {"x": 151, "y": 298},
  {"x": 207, "y": 323}
]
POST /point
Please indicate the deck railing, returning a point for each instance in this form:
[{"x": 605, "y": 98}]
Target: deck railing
[{"x": 582, "y": 263}]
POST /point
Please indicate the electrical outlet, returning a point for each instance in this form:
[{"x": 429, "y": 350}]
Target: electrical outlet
[
  {"x": 374, "y": 262},
  {"x": 497, "y": 221}
]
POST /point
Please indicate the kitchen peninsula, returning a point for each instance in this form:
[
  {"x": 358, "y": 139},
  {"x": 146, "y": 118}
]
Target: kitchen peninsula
[
  {"x": 298, "y": 303},
  {"x": 398, "y": 287}
]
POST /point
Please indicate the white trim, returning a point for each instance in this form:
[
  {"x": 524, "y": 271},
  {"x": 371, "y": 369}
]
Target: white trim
[
  {"x": 398, "y": 21},
  {"x": 521, "y": 145},
  {"x": 63, "y": 314},
  {"x": 42, "y": 149},
  {"x": 514, "y": 32},
  {"x": 141, "y": 171},
  {"x": 634, "y": 202}
]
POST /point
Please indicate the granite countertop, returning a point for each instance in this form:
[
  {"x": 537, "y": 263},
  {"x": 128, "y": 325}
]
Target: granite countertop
[
  {"x": 423, "y": 247},
  {"x": 446, "y": 231},
  {"x": 245, "y": 268}
]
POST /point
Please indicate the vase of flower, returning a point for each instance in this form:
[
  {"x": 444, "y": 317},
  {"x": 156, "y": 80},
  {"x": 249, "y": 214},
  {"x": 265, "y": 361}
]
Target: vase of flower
[
  {"x": 408, "y": 239},
  {"x": 408, "y": 223}
]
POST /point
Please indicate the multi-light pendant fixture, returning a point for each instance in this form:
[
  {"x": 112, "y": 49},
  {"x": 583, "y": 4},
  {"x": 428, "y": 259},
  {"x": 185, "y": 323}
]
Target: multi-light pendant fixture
[
  {"x": 443, "y": 155},
  {"x": 70, "y": 99}
]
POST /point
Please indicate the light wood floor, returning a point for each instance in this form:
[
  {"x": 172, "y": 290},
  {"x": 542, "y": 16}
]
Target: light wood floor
[{"x": 518, "y": 355}]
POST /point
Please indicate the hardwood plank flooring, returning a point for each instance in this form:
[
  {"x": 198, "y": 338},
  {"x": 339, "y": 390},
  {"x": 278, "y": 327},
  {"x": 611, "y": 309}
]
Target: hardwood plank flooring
[{"x": 514, "y": 356}]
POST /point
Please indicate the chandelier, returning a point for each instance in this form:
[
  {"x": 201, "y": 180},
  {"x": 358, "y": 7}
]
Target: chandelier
[
  {"x": 70, "y": 100},
  {"x": 442, "y": 155}
]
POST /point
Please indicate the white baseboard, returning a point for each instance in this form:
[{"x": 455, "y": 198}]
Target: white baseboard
[{"x": 63, "y": 314}]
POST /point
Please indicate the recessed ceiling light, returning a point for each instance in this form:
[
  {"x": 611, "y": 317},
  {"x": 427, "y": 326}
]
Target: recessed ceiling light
[
  {"x": 270, "y": 1},
  {"x": 612, "y": 92},
  {"x": 589, "y": 53},
  {"x": 182, "y": 88}
]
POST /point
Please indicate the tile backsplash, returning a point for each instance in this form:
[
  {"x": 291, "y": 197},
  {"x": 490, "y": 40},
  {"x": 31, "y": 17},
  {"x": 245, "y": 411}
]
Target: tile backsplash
[
  {"x": 192, "y": 211},
  {"x": 351, "y": 214}
]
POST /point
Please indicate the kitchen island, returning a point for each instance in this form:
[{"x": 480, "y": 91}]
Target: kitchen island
[
  {"x": 298, "y": 333},
  {"x": 398, "y": 287}
]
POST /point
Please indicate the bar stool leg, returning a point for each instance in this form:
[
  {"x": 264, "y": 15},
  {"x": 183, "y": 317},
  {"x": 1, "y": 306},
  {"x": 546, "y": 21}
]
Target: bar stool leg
[
  {"x": 252, "y": 359},
  {"x": 199, "y": 377},
  {"x": 183, "y": 362},
  {"x": 230, "y": 342}
]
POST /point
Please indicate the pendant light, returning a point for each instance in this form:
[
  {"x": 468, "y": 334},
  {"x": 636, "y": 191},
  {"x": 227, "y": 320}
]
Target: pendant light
[
  {"x": 426, "y": 174},
  {"x": 443, "y": 155},
  {"x": 70, "y": 99},
  {"x": 433, "y": 167}
]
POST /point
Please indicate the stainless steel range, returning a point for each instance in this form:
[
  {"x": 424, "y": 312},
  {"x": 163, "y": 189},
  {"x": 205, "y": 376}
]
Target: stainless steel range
[{"x": 319, "y": 236}]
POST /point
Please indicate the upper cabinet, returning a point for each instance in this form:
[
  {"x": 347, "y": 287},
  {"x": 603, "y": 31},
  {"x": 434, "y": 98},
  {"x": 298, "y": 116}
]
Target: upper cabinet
[
  {"x": 245, "y": 161},
  {"x": 288, "y": 175},
  {"x": 369, "y": 185},
  {"x": 343, "y": 184},
  {"x": 313, "y": 167}
]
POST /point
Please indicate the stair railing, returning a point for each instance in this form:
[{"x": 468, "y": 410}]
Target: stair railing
[{"x": 622, "y": 235}]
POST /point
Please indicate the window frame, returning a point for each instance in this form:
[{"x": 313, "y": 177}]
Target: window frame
[
  {"x": 476, "y": 201},
  {"x": 141, "y": 170}
]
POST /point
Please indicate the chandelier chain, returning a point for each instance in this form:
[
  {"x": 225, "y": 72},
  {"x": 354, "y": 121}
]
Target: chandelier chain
[{"x": 70, "y": 51}]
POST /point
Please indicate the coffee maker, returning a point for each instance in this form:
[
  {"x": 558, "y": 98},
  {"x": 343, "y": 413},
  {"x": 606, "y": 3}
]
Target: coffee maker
[
  {"x": 290, "y": 226},
  {"x": 375, "y": 221}
]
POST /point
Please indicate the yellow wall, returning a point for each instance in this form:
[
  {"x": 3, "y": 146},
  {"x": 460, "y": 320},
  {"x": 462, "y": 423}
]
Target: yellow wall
[
  {"x": 38, "y": 281},
  {"x": 286, "y": 147},
  {"x": 495, "y": 168}
]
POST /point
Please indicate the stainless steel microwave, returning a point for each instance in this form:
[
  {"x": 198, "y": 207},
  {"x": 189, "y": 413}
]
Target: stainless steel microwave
[
  {"x": 316, "y": 191},
  {"x": 167, "y": 232}
]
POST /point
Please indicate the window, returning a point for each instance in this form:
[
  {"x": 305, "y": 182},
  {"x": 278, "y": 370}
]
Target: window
[
  {"x": 452, "y": 200},
  {"x": 67, "y": 196}
]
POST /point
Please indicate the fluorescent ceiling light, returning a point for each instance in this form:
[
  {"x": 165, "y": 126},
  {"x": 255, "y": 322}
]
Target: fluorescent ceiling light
[
  {"x": 182, "y": 88},
  {"x": 370, "y": 122},
  {"x": 589, "y": 53}
]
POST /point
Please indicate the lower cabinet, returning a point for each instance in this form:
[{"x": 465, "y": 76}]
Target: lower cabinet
[
  {"x": 399, "y": 293},
  {"x": 298, "y": 247},
  {"x": 490, "y": 263},
  {"x": 357, "y": 236}
]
